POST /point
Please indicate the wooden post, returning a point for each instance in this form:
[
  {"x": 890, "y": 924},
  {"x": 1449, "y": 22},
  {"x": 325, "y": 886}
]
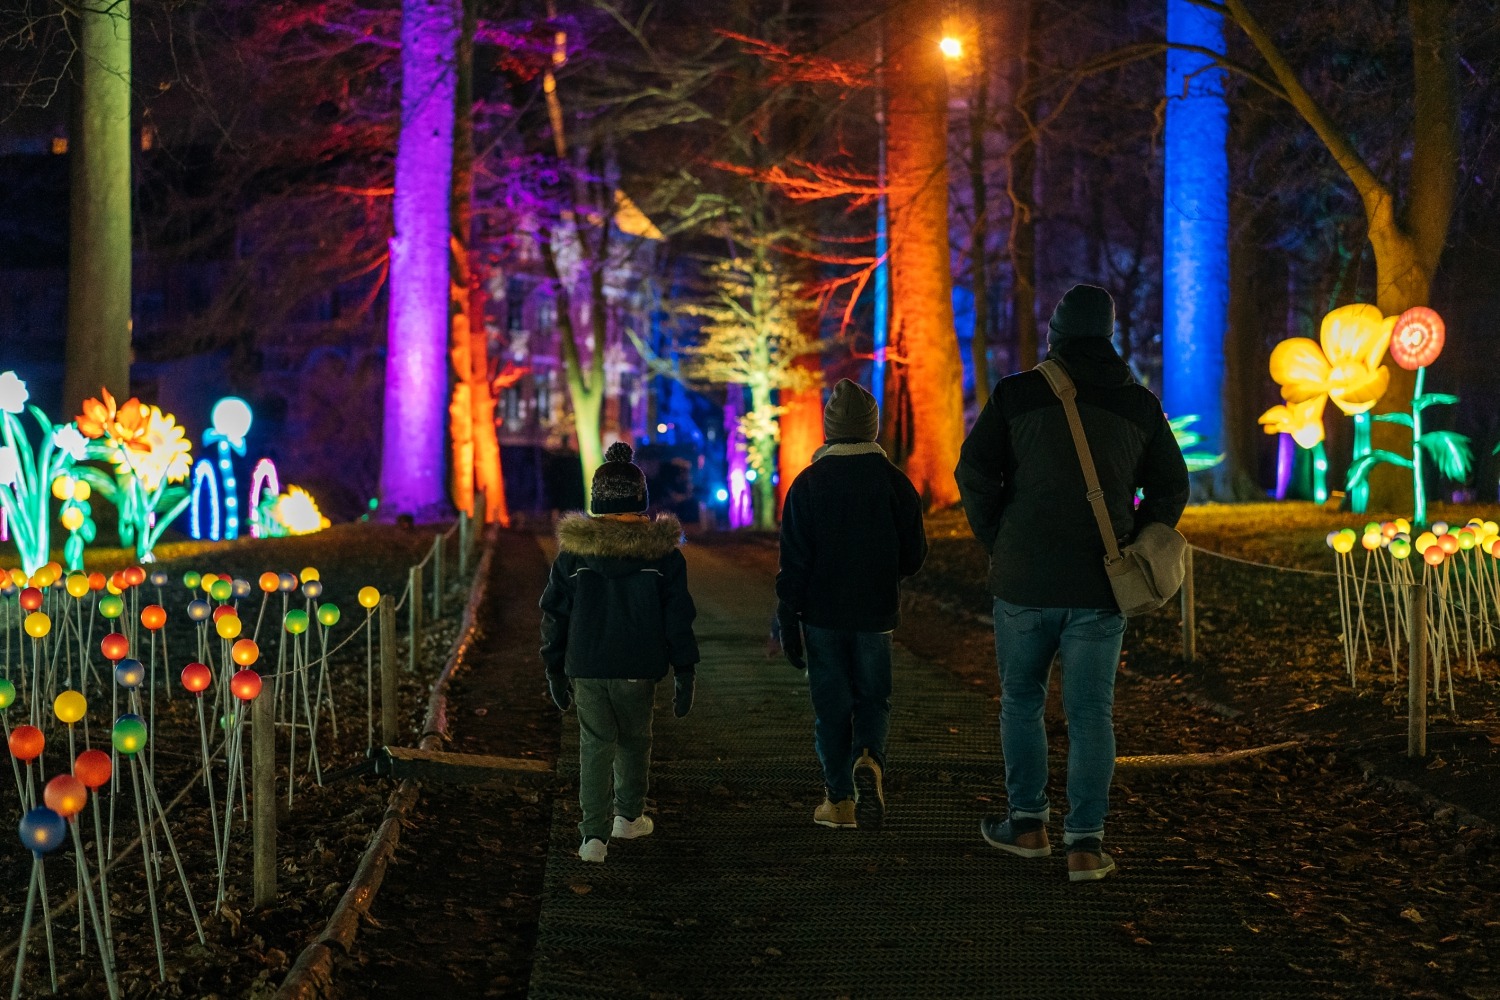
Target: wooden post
[
  {"x": 1416, "y": 675},
  {"x": 388, "y": 734},
  {"x": 438, "y": 545},
  {"x": 463, "y": 544},
  {"x": 263, "y": 777},
  {"x": 1189, "y": 610},
  {"x": 414, "y": 617}
]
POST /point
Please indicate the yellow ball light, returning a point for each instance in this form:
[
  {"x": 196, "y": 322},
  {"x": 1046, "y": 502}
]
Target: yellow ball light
[
  {"x": 1371, "y": 540},
  {"x": 228, "y": 626},
  {"x": 18, "y": 577},
  {"x": 112, "y": 589},
  {"x": 62, "y": 487},
  {"x": 78, "y": 585},
  {"x": 207, "y": 581},
  {"x": 1491, "y": 528},
  {"x": 1343, "y": 543},
  {"x": 368, "y": 597},
  {"x": 72, "y": 519},
  {"x": 69, "y": 707},
  {"x": 82, "y": 490},
  {"x": 1424, "y": 541},
  {"x": 38, "y": 624},
  {"x": 309, "y": 573}
]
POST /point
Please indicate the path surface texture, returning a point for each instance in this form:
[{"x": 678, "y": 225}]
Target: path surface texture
[{"x": 739, "y": 894}]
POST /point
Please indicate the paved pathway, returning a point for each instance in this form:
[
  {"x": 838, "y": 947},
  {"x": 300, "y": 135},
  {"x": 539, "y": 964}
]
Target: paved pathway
[{"x": 738, "y": 894}]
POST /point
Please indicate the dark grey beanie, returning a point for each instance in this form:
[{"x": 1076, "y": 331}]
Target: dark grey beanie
[
  {"x": 1086, "y": 311},
  {"x": 619, "y": 484},
  {"x": 851, "y": 414}
]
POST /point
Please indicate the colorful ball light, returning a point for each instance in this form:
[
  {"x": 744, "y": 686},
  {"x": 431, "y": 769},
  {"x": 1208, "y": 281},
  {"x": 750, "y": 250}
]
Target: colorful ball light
[
  {"x": 78, "y": 585},
  {"x": 245, "y": 685},
  {"x": 312, "y": 589},
  {"x": 242, "y": 588},
  {"x": 1466, "y": 539},
  {"x": 1417, "y": 338},
  {"x": 69, "y": 707},
  {"x": 286, "y": 582},
  {"x": 1372, "y": 541},
  {"x": 268, "y": 582},
  {"x": 1448, "y": 543},
  {"x": 206, "y": 582},
  {"x": 129, "y": 735},
  {"x": 1343, "y": 543},
  {"x": 65, "y": 795},
  {"x": 31, "y": 599},
  {"x": 7, "y": 694},
  {"x": 328, "y": 615},
  {"x": 191, "y": 579},
  {"x": 309, "y": 573},
  {"x": 1425, "y": 541},
  {"x": 199, "y": 611},
  {"x": 42, "y": 830},
  {"x": 153, "y": 617},
  {"x": 27, "y": 743},
  {"x": 296, "y": 622},
  {"x": 97, "y": 581},
  {"x": 245, "y": 652},
  {"x": 1439, "y": 528},
  {"x": 159, "y": 578},
  {"x": 225, "y": 611},
  {"x": 114, "y": 646},
  {"x": 135, "y": 575},
  {"x": 110, "y": 606},
  {"x": 196, "y": 677},
  {"x": 228, "y": 626},
  {"x": 1434, "y": 555},
  {"x": 93, "y": 768},
  {"x": 1400, "y": 548},
  {"x": 18, "y": 577},
  {"x": 38, "y": 624},
  {"x": 369, "y": 597},
  {"x": 130, "y": 673},
  {"x": 222, "y": 590}
]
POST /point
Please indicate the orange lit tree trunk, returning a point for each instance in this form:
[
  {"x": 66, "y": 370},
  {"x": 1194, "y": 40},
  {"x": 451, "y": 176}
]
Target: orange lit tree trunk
[
  {"x": 1408, "y": 242},
  {"x": 921, "y": 276},
  {"x": 801, "y": 425},
  {"x": 471, "y": 409}
]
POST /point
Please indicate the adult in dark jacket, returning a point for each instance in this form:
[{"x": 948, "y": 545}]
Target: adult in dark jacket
[
  {"x": 851, "y": 529},
  {"x": 1024, "y": 494},
  {"x": 615, "y": 615}
]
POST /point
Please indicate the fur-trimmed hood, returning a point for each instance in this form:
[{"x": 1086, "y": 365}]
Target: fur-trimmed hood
[{"x": 607, "y": 538}]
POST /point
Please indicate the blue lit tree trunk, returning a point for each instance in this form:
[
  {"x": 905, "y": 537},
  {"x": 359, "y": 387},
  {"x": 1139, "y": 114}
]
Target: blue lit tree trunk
[
  {"x": 416, "y": 376},
  {"x": 97, "y": 351},
  {"x": 1195, "y": 292}
]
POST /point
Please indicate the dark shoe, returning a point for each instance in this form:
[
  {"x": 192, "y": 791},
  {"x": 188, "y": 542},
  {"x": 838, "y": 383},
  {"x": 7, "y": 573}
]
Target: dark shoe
[
  {"x": 1087, "y": 861},
  {"x": 869, "y": 793},
  {"x": 1025, "y": 838}
]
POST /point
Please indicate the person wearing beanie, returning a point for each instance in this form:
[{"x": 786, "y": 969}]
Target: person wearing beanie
[
  {"x": 1024, "y": 494},
  {"x": 851, "y": 529},
  {"x": 616, "y": 615}
]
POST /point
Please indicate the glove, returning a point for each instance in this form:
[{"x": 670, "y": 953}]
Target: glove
[
  {"x": 791, "y": 636},
  {"x": 561, "y": 690},
  {"x": 682, "y": 693}
]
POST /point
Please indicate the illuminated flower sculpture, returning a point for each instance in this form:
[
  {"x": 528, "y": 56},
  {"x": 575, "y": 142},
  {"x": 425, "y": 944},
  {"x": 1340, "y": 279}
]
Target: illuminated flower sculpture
[
  {"x": 1416, "y": 342},
  {"x": 149, "y": 451},
  {"x": 26, "y": 473}
]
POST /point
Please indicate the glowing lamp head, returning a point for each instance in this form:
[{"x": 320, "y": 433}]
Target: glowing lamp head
[
  {"x": 129, "y": 735},
  {"x": 228, "y": 626},
  {"x": 312, "y": 589},
  {"x": 93, "y": 768},
  {"x": 1371, "y": 540},
  {"x": 222, "y": 590},
  {"x": 42, "y": 830},
  {"x": 153, "y": 617},
  {"x": 1434, "y": 555},
  {"x": 295, "y": 622},
  {"x": 110, "y": 606},
  {"x": 1439, "y": 528},
  {"x": 27, "y": 743},
  {"x": 38, "y": 624},
  {"x": 231, "y": 418},
  {"x": 1343, "y": 543},
  {"x": 245, "y": 652},
  {"x": 1448, "y": 543},
  {"x": 286, "y": 582},
  {"x": 114, "y": 646},
  {"x": 7, "y": 694},
  {"x": 206, "y": 582},
  {"x": 1400, "y": 548},
  {"x": 245, "y": 685},
  {"x": 310, "y": 573},
  {"x": 31, "y": 599},
  {"x": 1417, "y": 338},
  {"x": 130, "y": 674},
  {"x": 196, "y": 677},
  {"x": 951, "y": 47},
  {"x": 224, "y": 611},
  {"x": 1425, "y": 541},
  {"x": 369, "y": 597},
  {"x": 1466, "y": 539},
  {"x": 269, "y": 582},
  {"x": 18, "y": 577},
  {"x": 135, "y": 575},
  {"x": 69, "y": 707},
  {"x": 328, "y": 615},
  {"x": 243, "y": 588},
  {"x": 191, "y": 579},
  {"x": 65, "y": 795},
  {"x": 97, "y": 582},
  {"x": 199, "y": 611},
  {"x": 159, "y": 578},
  {"x": 78, "y": 585},
  {"x": 1494, "y": 551}
]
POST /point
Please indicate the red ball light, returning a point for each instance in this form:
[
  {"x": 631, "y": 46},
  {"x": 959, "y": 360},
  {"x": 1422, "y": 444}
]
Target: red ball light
[
  {"x": 196, "y": 677},
  {"x": 134, "y": 575},
  {"x": 93, "y": 768},
  {"x": 97, "y": 581},
  {"x": 31, "y": 599},
  {"x": 222, "y": 610},
  {"x": 245, "y": 685},
  {"x": 117, "y": 580},
  {"x": 65, "y": 795},
  {"x": 27, "y": 743},
  {"x": 114, "y": 646},
  {"x": 153, "y": 617},
  {"x": 1434, "y": 555}
]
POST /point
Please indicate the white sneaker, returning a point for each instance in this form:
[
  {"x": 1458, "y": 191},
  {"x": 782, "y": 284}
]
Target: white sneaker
[
  {"x": 593, "y": 850},
  {"x": 626, "y": 829}
]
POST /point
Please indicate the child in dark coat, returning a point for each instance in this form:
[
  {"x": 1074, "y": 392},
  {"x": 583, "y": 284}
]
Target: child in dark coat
[{"x": 615, "y": 615}]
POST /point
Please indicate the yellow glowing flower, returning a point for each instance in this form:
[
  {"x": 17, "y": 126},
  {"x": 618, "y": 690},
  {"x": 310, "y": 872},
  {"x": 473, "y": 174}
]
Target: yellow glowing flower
[
  {"x": 298, "y": 511},
  {"x": 160, "y": 451},
  {"x": 1345, "y": 367},
  {"x": 1303, "y": 421}
]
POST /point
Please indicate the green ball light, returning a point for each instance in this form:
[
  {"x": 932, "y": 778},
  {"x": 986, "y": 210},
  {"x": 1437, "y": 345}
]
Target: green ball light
[
  {"x": 328, "y": 615},
  {"x": 111, "y": 606},
  {"x": 222, "y": 590},
  {"x": 129, "y": 736},
  {"x": 296, "y": 622},
  {"x": 7, "y": 693},
  {"x": 191, "y": 579}
]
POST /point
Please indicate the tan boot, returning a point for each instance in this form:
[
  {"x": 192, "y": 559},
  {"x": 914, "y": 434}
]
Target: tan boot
[
  {"x": 869, "y": 792},
  {"x": 837, "y": 815},
  {"x": 1087, "y": 861}
]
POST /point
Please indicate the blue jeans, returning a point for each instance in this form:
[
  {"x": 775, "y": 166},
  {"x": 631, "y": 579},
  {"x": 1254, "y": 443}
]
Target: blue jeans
[
  {"x": 1025, "y": 641},
  {"x": 849, "y": 677}
]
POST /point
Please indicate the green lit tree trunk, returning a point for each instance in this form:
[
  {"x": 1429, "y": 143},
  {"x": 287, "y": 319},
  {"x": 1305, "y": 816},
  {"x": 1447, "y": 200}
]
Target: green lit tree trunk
[{"x": 98, "y": 340}]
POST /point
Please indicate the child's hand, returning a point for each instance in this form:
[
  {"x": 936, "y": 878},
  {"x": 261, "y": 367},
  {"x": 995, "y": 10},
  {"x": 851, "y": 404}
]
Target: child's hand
[
  {"x": 682, "y": 694},
  {"x": 561, "y": 690}
]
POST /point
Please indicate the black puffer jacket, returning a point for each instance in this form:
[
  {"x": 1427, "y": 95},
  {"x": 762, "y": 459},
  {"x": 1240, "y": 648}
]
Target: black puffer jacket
[
  {"x": 1023, "y": 488},
  {"x": 617, "y": 604}
]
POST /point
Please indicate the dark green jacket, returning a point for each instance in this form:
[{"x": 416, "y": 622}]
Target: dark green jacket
[
  {"x": 617, "y": 603},
  {"x": 1023, "y": 488}
]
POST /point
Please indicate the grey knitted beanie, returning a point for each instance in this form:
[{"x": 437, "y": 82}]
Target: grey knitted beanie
[
  {"x": 619, "y": 485},
  {"x": 851, "y": 414},
  {"x": 1086, "y": 311}
]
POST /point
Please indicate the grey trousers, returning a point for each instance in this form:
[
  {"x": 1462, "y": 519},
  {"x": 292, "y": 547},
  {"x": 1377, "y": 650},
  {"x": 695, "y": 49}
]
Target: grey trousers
[{"x": 614, "y": 741}]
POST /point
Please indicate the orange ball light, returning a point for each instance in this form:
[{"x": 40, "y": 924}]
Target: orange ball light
[
  {"x": 228, "y": 626},
  {"x": 114, "y": 646},
  {"x": 245, "y": 652},
  {"x": 65, "y": 795},
  {"x": 245, "y": 685},
  {"x": 269, "y": 582},
  {"x": 1449, "y": 544},
  {"x": 93, "y": 768},
  {"x": 135, "y": 576},
  {"x": 153, "y": 617},
  {"x": 1434, "y": 555},
  {"x": 97, "y": 581},
  {"x": 27, "y": 743},
  {"x": 196, "y": 677}
]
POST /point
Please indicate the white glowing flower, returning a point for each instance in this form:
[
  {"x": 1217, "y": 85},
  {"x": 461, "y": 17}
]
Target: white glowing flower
[
  {"x": 10, "y": 465},
  {"x": 13, "y": 394},
  {"x": 71, "y": 440}
]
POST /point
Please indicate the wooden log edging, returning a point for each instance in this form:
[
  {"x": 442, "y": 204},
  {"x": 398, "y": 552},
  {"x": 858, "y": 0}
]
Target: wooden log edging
[{"x": 311, "y": 977}]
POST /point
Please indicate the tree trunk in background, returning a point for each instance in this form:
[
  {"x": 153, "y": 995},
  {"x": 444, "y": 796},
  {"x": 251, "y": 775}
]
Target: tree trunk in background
[
  {"x": 801, "y": 426},
  {"x": 97, "y": 351},
  {"x": 979, "y": 273},
  {"x": 921, "y": 276},
  {"x": 1018, "y": 32},
  {"x": 1195, "y": 245},
  {"x": 416, "y": 375},
  {"x": 471, "y": 409},
  {"x": 1244, "y": 369}
]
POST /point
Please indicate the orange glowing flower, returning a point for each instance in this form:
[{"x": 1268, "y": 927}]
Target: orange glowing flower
[
  {"x": 123, "y": 426},
  {"x": 158, "y": 451}
]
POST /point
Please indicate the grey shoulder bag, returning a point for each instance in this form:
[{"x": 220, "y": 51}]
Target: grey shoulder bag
[{"x": 1146, "y": 573}]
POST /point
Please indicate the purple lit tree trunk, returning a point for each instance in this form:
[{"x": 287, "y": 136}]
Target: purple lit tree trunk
[{"x": 416, "y": 379}]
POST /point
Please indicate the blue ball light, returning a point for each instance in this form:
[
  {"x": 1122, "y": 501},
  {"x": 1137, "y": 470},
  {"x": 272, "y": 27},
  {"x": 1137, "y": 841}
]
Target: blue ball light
[{"x": 42, "y": 830}]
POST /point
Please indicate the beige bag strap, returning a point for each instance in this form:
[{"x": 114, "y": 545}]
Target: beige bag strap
[{"x": 1057, "y": 377}]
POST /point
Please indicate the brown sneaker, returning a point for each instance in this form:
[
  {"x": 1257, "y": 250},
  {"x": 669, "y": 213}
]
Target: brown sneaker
[
  {"x": 838, "y": 815},
  {"x": 1025, "y": 838},
  {"x": 1087, "y": 861},
  {"x": 869, "y": 792}
]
